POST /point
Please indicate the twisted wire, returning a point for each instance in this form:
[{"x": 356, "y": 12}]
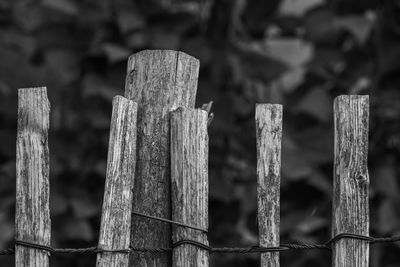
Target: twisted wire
[
  {"x": 298, "y": 245},
  {"x": 169, "y": 221},
  {"x": 241, "y": 250}
]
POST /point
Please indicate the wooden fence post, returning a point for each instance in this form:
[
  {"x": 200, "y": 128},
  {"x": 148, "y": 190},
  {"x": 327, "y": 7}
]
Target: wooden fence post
[
  {"x": 159, "y": 81},
  {"x": 350, "y": 185},
  {"x": 189, "y": 187},
  {"x": 117, "y": 203},
  {"x": 269, "y": 137},
  {"x": 32, "y": 220}
]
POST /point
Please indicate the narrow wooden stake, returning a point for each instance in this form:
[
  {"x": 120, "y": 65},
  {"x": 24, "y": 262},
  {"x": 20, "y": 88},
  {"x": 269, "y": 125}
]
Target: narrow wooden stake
[
  {"x": 189, "y": 190},
  {"x": 117, "y": 203},
  {"x": 32, "y": 218},
  {"x": 350, "y": 181},
  {"x": 269, "y": 137},
  {"x": 159, "y": 81}
]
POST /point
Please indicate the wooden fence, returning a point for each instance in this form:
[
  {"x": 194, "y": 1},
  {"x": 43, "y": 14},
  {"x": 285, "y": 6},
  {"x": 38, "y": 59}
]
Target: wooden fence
[{"x": 158, "y": 165}]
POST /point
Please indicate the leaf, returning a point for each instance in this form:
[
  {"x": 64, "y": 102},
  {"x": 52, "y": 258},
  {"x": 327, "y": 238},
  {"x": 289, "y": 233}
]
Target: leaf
[
  {"x": 95, "y": 86},
  {"x": 317, "y": 103},
  {"x": 253, "y": 62},
  {"x": 321, "y": 182},
  {"x": 64, "y": 6},
  {"x": 361, "y": 84},
  {"x": 311, "y": 224},
  {"x": 137, "y": 40},
  {"x": 326, "y": 64},
  {"x": 320, "y": 26},
  {"x": 129, "y": 21},
  {"x": 359, "y": 26},
  {"x": 298, "y": 8},
  {"x": 291, "y": 79},
  {"x": 247, "y": 236},
  {"x": 293, "y": 52},
  {"x": 291, "y": 220},
  {"x": 29, "y": 17},
  {"x": 115, "y": 53},
  {"x": 257, "y": 15},
  {"x": 15, "y": 40}
]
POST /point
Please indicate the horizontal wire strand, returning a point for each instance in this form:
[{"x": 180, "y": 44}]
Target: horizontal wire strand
[
  {"x": 170, "y": 221},
  {"x": 242, "y": 250}
]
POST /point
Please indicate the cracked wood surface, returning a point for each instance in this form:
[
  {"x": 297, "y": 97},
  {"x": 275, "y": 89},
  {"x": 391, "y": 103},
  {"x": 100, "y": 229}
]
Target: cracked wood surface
[
  {"x": 351, "y": 180},
  {"x": 32, "y": 218},
  {"x": 269, "y": 137},
  {"x": 189, "y": 186},
  {"x": 159, "y": 81},
  {"x": 117, "y": 204}
]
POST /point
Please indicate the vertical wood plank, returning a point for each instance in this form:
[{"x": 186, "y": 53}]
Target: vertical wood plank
[
  {"x": 32, "y": 220},
  {"x": 351, "y": 180},
  {"x": 269, "y": 137},
  {"x": 117, "y": 203},
  {"x": 159, "y": 81},
  {"x": 189, "y": 187}
]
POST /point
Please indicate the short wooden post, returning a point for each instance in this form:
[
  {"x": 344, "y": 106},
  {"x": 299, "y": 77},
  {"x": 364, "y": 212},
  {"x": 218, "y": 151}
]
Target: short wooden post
[
  {"x": 269, "y": 137},
  {"x": 32, "y": 219},
  {"x": 350, "y": 181},
  {"x": 117, "y": 203},
  {"x": 159, "y": 81},
  {"x": 189, "y": 187}
]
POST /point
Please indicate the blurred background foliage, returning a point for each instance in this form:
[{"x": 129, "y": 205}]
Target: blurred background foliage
[{"x": 301, "y": 53}]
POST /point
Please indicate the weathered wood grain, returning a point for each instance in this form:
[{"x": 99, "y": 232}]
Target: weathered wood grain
[
  {"x": 159, "y": 81},
  {"x": 189, "y": 185},
  {"x": 32, "y": 218},
  {"x": 269, "y": 137},
  {"x": 351, "y": 180},
  {"x": 117, "y": 204}
]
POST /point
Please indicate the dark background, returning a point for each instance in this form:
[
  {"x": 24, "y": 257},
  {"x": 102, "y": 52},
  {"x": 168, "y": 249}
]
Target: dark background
[{"x": 299, "y": 53}]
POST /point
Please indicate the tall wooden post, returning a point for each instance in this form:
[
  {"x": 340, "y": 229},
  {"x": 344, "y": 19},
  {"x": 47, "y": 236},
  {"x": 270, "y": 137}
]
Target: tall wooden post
[
  {"x": 269, "y": 137},
  {"x": 117, "y": 204},
  {"x": 159, "y": 81},
  {"x": 32, "y": 218},
  {"x": 189, "y": 174},
  {"x": 351, "y": 180}
]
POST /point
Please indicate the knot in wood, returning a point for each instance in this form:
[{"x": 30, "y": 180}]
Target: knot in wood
[
  {"x": 361, "y": 178},
  {"x": 131, "y": 76}
]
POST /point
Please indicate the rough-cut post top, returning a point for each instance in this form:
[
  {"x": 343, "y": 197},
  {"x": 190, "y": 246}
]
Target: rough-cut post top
[
  {"x": 33, "y": 105},
  {"x": 157, "y": 71}
]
